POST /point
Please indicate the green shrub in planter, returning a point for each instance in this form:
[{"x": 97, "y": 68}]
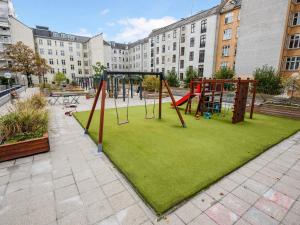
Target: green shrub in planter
[{"x": 172, "y": 79}]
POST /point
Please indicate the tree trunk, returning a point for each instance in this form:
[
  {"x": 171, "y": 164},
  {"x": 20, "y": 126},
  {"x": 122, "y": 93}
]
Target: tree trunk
[{"x": 29, "y": 81}]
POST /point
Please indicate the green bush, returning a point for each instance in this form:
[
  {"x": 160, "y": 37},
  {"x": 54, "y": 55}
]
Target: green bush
[
  {"x": 269, "y": 82},
  {"x": 190, "y": 74},
  {"x": 151, "y": 83},
  {"x": 59, "y": 78},
  {"x": 172, "y": 79},
  {"x": 225, "y": 73},
  {"x": 27, "y": 119}
]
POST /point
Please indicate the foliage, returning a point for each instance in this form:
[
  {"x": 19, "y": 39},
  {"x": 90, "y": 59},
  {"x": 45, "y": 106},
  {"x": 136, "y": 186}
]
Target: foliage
[
  {"x": 151, "y": 83},
  {"x": 23, "y": 59},
  {"x": 292, "y": 83},
  {"x": 190, "y": 74},
  {"x": 172, "y": 79},
  {"x": 41, "y": 67},
  {"x": 4, "y": 81},
  {"x": 225, "y": 73},
  {"x": 98, "y": 69},
  {"x": 27, "y": 119},
  {"x": 59, "y": 78},
  {"x": 269, "y": 82}
]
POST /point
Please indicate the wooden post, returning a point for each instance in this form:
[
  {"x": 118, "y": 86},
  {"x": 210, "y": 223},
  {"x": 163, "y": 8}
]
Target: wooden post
[
  {"x": 160, "y": 96},
  {"x": 94, "y": 106},
  {"x": 253, "y": 100},
  {"x": 101, "y": 125},
  {"x": 174, "y": 104},
  {"x": 123, "y": 89}
]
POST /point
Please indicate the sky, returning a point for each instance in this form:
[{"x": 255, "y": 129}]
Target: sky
[{"x": 119, "y": 20}]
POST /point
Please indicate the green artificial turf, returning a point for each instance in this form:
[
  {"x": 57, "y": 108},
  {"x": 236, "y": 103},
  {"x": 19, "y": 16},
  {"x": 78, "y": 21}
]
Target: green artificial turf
[{"x": 168, "y": 164}]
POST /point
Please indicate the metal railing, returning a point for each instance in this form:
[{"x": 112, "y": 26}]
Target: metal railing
[{"x": 7, "y": 91}]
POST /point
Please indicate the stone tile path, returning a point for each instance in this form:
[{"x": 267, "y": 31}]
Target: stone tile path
[{"x": 73, "y": 185}]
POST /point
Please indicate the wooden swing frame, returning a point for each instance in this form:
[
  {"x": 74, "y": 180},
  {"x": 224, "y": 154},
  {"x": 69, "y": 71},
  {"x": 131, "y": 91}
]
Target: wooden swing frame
[{"x": 102, "y": 89}]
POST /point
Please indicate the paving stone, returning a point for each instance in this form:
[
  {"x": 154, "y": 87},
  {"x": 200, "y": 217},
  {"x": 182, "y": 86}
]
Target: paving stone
[
  {"x": 287, "y": 190},
  {"x": 279, "y": 198},
  {"x": 216, "y": 192},
  {"x": 74, "y": 218},
  {"x": 2, "y": 190},
  {"x": 235, "y": 204},
  {"x": 66, "y": 192},
  {"x": 132, "y": 215},
  {"x": 221, "y": 215},
  {"x": 92, "y": 196},
  {"x": 41, "y": 166},
  {"x": 7, "y": 164},
  {"x": 14, "y": 220},
  {"x": 271, "y": 209},
  {"x": 227, "y": 184},
  {"x": 255, "y": 186},
  {"x": 237, "y": 178},
  {"x": 246, "y": 195},
  {"x": 203, "y": 219},
  {"x": 63, "y": 181},
  {"x": 109, "y": 221},
  {"x": 4, "y": 179},
  {"x": 263, "y": 179},
  {"x": 242, "y": 222},
  {"x": 43, "y": 216},
  {"x": 17, "y": 196},
  {"x": 24, "y": 160},
  {"x": 247, "y": 172},
  {"x": 69, "y": 205},
  {"x": 256, "y": 217},
  {"x": 203, "y": 201},
  {"x": 188, "y": 212},
  {"x": 40, "y": 201},
  {"x": 296, "y": 207},
  {"x": 147, "y": 223},
  {"x": 98, "y": 211},
  {"x": 18, "y": 185},
  {"x": 82, "y": 175},
  {"x": 4, "y": 172},
  {"x": 113, "y": 188},
  {"x": 62, "y": 172},
  {"x": 170, "y": 219},
  {"x": 106, "y": 178},
  {"x": 121, "y": 201},
  {"x": 87, "y": 185},
  {"x": 291, "y": 219},
  {"x": 291, "y": 181},
  {"x": 271, "y": 173}
]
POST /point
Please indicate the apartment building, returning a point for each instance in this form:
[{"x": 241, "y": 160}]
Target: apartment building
[
  {"x": 290, "y": 59},
  {"x": 70, "y": 54},
  {"x": 227, "y": 34}
]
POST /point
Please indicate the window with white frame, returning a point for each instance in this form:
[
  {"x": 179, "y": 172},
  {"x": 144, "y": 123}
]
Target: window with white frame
[
  {"x": 173, "y": 58},
  {"x": 193, "y": 27},
  {"x": 182, "y": 38},
  {"x": 51, "y": 61},
  {"x": 163, "y": 59},
  {"x": 228, "y": 17},
  {"x": 203, "y": 26},
  {"x": 49, "y": 51},
  {"x": 191, "y": 56},
  {"x": 294, "y": 41},
  {"x": 41, "y": 51},
  {"x": 79, "y": 63},
  {"x": 40, "y": 41},
  {"x": 192, "y": 42},
  {"x": 224, "y": 65},
  {"x": 163, "y": 37},
  {"x": 61, "y": 44},
  {"x": 174, "y": 46},
  {"x": 202, "y": 41},
  {"x": 52, "y": 71},
  {"x": 62, "y": 53},
  {"x": 225, "y": 50},
  {"x": 64, "y": 71},
  {"x": 49, "y": 42},
  {"x": 174, "y": 33},
  {"x": 296, "y": 19},
  {"x": 71, "y": 58},
  {"x": 63, "y": 62},
  {"x": 201, "y": 56},
  {"x": 227, "y": 34},
  {"x": 181, "y": 64},
  {"x": 72, "y": 67},
  {"x": 292, "y": 63}
]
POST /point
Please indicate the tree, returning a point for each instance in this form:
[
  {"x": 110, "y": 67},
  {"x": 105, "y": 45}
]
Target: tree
[
  {"x": 190, "y": 74},
  {"x": 98, "y": 69},
  {"x": 225, "y": 73},
  {"x": 59, "y": 78},
  {"x": 41, "y": 67},
  {"x": 269, "y": 82},
  {"x": 172, "y": 79},
  {"x": 23, "y": 59}
]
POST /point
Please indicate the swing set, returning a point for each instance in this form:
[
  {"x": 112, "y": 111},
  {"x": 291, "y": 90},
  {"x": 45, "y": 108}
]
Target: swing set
[{"x": 110, "y": 81}]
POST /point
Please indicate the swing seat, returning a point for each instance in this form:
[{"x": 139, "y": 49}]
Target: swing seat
[
  {"x": 207, "y": 115},
  {"x": 123, "y": 123}
]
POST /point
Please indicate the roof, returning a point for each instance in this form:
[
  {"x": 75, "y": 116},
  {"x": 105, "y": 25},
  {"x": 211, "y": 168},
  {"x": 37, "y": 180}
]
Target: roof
[
  {"x": 138, "y": 42},
  {"x": 230, "y": 5},
  {"x": 41, "y": 31},
  {"x": 184, "y": 21}
]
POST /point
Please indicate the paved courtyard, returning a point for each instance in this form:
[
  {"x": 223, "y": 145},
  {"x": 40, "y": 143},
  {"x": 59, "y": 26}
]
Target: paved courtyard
[{"x": 73, "y": 185}]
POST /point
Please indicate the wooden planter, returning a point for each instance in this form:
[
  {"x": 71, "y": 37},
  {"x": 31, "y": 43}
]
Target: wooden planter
[{"x": 24, "y": 148}]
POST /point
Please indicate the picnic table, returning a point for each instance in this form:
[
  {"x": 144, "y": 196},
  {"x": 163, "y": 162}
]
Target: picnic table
[{"x": 65, "y": 97}]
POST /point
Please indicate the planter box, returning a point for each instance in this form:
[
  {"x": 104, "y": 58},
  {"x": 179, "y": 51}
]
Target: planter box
[{"x": 24, "y": 148}]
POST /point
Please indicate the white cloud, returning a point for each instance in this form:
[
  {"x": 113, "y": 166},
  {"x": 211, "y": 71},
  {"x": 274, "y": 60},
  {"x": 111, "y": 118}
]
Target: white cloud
[
  {"x": 84, "y": 32},
  {"x": 137, "y": 28},
  {"x": 110, "y": 24},
  {"x": 104, "y": 12}
]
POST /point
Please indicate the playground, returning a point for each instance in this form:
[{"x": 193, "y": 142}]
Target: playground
[{"x": 168, "y": 164}]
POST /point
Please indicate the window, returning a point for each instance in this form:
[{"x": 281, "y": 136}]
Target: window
[
  {"x": 62, "y": 53},
  {"x": 182, "y": 38},
  {"x": 40, "y": 41},
  {"x": 86, "y": 63},
  {"x": 201, "y": 56},
  {"x": 85, "y": 55},
  {"x": 200, "y": 70},
  {"x": 157, "y": 60},
  {"x": 71, "y": 58},
  {"x": 203, "y": 26},
  {"x": 181, "y": 76},
  {"x": 79, "y": 71},
  {"x": 193, "y": 27},
  {"x": 294, "y": 41},
  {"x": 77, "y": 45},
  {"x": 157, "y": 39},
  {"x": 152, "y": 52},
  {"x": 63, "y": 62},
  {"x": 174, "y": 33},
  {"x": 173, "y": 58},
  {"x": 51, "y": 61},
  {"x": 163, "y": 59},
  {"x": 71, "y": 49},
  {"x": 228, "y": 17},
  {"x": 191, "y": 57},
  {"x": 157, "y": 50},
  {"x": 72, "y": 67},
  {"x": 86, "y": 71},
  {"x": 202, "y": 41},
  {"x": 227, "y": 34},
  {"x": 181, "y": 64},
  {"x": 49, "y": 42},
  {"x": 224, "y": 64},
  {"x": 182, "y": 51},
  {"x": 61, "y": 44},
  {"x": 49, "y": 51},
  {"x": 225, "y": 50},
  {"x": 52, "y": 71},
  {"x": 78, "y": 54},
  {"x": 41, "y": 51},
  {"x": 292, "y": 63},
  {"x": 296, "y": 19},
  {"x": 64, "y": 71},
  {"x": 174, "y": 46},
  {"x": 163, "y": 49},
  {"x": 192, "y": 42}
]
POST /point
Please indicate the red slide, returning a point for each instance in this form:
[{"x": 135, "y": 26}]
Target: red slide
[{"x": 184, "y": 99}]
